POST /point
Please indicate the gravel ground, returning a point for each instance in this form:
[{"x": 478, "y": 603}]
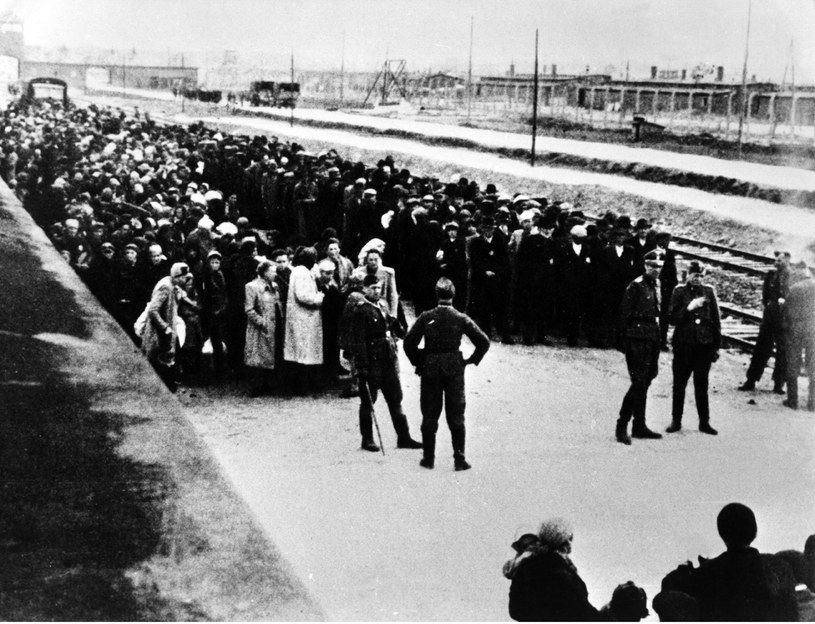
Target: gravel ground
[{"x": 380, "y": 538}]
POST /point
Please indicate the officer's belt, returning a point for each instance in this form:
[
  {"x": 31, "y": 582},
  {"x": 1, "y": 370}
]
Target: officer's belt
[{"x": 440, "y": 351}]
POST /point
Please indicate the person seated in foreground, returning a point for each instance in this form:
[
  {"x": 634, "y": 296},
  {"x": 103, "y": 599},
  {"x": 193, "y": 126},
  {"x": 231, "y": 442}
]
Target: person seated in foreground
[{"x": 739, "y": 585}]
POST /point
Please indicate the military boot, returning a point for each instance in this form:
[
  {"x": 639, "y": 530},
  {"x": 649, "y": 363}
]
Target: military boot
[
  {"x": 622, "y": 432},
  {"x": 429, "y": 450},
  {"x": 676, "y": 425},
  {"x": 459, "y": 462}
]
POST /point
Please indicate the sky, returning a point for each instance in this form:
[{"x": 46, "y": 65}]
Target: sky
[{"x": 575, "y": 34}]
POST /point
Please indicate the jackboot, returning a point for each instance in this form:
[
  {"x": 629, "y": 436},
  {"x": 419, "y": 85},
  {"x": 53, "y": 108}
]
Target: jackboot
[
  {"x": 459, "y": 462},
  {"x": 428, "y": 450},
  {"x": 641, "y": 431},
  {"x": 676, "y": 425},
  {"x": 622, "y": 432}
]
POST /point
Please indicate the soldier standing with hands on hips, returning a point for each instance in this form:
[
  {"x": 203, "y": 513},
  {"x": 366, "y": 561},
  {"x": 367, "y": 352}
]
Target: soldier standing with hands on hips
[
  {"x": 639, "y": 334},
  {"x": 696, "y": 340},
  {"x": 441, "y": 366}
]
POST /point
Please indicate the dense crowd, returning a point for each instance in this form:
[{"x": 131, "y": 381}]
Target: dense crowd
[{"x": 124, "y": 199}]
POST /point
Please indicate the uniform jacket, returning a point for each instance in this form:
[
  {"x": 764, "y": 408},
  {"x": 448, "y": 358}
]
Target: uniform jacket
[
  {"x": 372, "y": 344},
  {"x": 702, "y": 326},
  {"x": 262, "y": 307},
  {"x": 800, "y": 307},
  {"x": 304, "y": 322},
  {"x": 639, "y": 310},
  {"x": 442, "y": 329}
]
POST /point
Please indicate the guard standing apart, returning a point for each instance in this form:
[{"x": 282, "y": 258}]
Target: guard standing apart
[
  {"x": 373, "y": 348},
  {"x": 800, "y": 334},
  {"x": 441, "y": 366},
  {"x": 639, "y": 333},
  {"x": 696, "y": 341},
  {"x": 771, "y": 331}
]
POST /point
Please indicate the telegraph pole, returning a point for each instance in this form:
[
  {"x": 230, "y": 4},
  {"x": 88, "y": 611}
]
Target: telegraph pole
[
  {"x": 470, "y": 72},
  {"x": 342, "y": 68},
  {"x": 534, "y": 104},
  {"x": 291, "y": 117},
  {"x": 744, "y": 77}
]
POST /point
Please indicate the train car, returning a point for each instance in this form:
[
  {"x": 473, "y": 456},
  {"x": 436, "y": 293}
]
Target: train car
[
  {"x": 45, "y": 89},
  {"x": 269, "y": 93}
]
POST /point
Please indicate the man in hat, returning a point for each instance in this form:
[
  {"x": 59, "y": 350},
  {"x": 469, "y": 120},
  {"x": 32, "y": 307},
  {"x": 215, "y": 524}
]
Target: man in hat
[
  {"x": 696, "y": 341},
  {"x": 799, "y": 312},
  {"x": 614, "y": 266},
  {"x": 372, "y": 344},
  {"x": 771, "y": 331},
  {"x": 441, "y": 367},
  {"x": 489, "y": 279},
  {"x": 575, "y": 272},
  {"x": 453, "y": 263},
  {"x": 642, "y": 242},
  {"x": 534, "y": 283},
  {"x": 639, "y": 332}
]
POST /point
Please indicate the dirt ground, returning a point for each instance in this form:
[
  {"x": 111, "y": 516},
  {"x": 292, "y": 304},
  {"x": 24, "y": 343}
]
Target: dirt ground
[{"x": 380, "y": 538}]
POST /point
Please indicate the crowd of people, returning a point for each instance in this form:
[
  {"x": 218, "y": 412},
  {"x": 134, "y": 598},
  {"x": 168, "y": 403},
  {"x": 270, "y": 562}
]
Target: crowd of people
[
  {"x": 273, "y": 239},
  {"x": 124, "y": 199},
  {"x": 289, "y": 267},
  {"x": 739, "y": 585}
]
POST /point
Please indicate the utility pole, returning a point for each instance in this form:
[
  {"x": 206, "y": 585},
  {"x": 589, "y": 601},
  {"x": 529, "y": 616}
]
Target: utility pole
[
  {"x": 291, "y": 117},
  {"x": 744, "y": 77},
  {"x": 342, "y": 68},
  {"x": 534, "y": 104},
  {"x": 470, "y": 72}
]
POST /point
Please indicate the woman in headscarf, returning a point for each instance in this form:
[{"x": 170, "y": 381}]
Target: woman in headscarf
[
  {"x": 262, "y": 307},
  {"x": 545, "y": 584}
]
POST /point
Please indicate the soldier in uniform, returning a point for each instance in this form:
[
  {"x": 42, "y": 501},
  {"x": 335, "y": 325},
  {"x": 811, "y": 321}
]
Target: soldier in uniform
[
  {"x": 696, "y": 340},
  {"x": 771, "y": 331},
  {"x": 373, "y": 349},
  {"x": 441, "y": 366},
  {"x": 639, "y": 332}
]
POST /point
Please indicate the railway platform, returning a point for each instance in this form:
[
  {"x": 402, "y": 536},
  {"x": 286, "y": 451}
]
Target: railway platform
[{"x": 112, "y": 506}]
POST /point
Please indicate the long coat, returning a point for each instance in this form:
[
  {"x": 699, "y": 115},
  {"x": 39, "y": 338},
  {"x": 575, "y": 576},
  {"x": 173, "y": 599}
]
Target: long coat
[
  {"x": 161, "y": 314},
  {"x": 262, "y": 306},
  {"x": 304, "y": 323}
]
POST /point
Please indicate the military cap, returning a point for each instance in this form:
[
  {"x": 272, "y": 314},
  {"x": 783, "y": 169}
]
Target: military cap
[{"x": 654, "y": 258}]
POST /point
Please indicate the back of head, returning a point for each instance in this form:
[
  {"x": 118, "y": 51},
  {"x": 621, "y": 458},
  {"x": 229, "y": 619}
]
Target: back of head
[
  {"x": 445, "y": 290},
  {"x": 737, "y": 525},
  {"x": 555, "y": 535},
  {"x": 629, "y": 603}
]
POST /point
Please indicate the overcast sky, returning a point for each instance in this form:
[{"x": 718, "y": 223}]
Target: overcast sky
[{"x": 672, "y": 34}]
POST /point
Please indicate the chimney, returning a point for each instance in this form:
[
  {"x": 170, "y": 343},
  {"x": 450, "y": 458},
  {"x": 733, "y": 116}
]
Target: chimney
[
  {"x": 554, "y": 69},
  {"x": 653, "y": 72},
  {"x": 684, "y": 74},
  {"x": 511, "y": 69},
  {"x": 719, "y": 73}
]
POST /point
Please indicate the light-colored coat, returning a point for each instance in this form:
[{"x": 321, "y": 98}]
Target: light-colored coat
[
  {"x": 261, "y": 305},
  {"x": 304, "y": 322},
  {"x": 161, "y": 314}
]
